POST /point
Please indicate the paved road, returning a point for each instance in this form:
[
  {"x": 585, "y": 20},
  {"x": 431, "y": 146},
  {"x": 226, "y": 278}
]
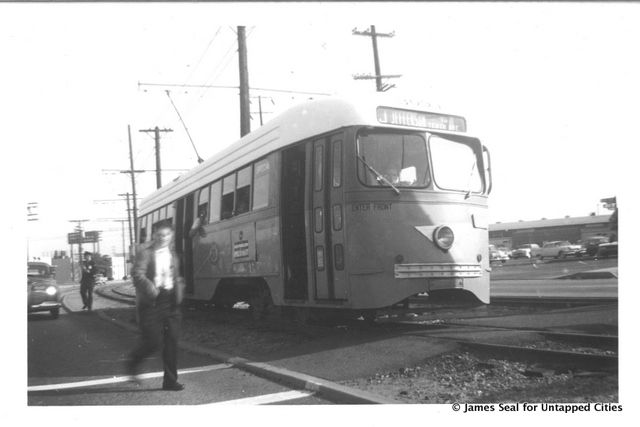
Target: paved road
[
  {"x": 534, "y": 279},
  {"x": 78, "y": 359},
  {"x": 548, "y": 269}
]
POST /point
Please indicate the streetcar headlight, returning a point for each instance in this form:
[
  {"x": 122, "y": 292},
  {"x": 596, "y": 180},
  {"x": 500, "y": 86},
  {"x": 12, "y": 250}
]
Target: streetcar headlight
[
  {"x": 443, "y": 236},
  {"x": 51, "y": 290}
]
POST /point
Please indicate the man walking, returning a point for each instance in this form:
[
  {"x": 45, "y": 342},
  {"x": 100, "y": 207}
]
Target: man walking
[
  {"x": 87, "y": 281},
  {"x": 159, "y": 290}
]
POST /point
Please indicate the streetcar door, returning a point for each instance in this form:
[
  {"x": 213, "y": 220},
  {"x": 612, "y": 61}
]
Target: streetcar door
[
  {"x": 292, "y": 207},
  {"x": 189, "y": 216},
  {"x": 183, "y": 245},
  {"x": 327, "y": 219}
]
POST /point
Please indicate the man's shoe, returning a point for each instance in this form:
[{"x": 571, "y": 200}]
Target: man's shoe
[
  {"x": 173, "y": 387},
  {"x": 84, "y": 307}
]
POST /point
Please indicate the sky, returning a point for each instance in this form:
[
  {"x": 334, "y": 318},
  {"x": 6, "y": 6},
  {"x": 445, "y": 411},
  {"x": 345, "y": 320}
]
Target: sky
[{"x": 551, "y": 89}]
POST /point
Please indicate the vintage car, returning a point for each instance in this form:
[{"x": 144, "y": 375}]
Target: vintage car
[
  {"x": 497, "y": 254},
  {"x": 43, "y": 293},
  {"x": 591, "y": 244},
  {"x": 524, "y": 251},
  {"x": 606, "y": 250},
  {"x": 557, "y": 249}
]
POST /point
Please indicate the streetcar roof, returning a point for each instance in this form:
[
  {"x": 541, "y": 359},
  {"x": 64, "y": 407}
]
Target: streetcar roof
[{"x": 298, "y": 123}]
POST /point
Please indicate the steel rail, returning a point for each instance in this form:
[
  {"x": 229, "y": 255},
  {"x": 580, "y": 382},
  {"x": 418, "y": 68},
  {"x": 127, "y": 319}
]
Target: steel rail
[
  {"x": 598, "y": 340},
  {"x": 552, "y": 358}
]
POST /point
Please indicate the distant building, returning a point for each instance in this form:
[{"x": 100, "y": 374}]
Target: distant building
[{"x": 513, "y": 234}]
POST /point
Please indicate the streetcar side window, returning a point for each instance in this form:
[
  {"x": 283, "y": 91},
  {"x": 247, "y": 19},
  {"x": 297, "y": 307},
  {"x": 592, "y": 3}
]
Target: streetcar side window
[
  {"x": 215, "y": 201},
  {"x": 228, "y": 195},
  {"x": 171, "y": 210},
  {"x": 243, "y": 190},
  {"x": 337, "y": 163},
  {"x": 143, "y": 229},
  {"x": 203, "y": 205},
  {"x": 154, "y": 220},
  {"x": 318, "y": 165},
  {"x": 261, "y": 184}
]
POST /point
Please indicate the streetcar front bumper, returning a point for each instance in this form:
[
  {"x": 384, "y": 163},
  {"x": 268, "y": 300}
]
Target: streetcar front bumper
[{"x": 437, "y": 270}]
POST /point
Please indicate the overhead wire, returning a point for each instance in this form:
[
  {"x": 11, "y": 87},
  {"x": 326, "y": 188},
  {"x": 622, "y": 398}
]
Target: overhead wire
[{"x": 193, "y": 70}]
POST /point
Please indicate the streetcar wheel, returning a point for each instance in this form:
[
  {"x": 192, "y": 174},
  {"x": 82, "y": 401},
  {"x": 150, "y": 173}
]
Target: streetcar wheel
[
  {"x": 301, "y": 315},
  {"x": 55, "y": 313},
  {"x": 260, "y": 304},
  {"x": 369, "y": 316}
]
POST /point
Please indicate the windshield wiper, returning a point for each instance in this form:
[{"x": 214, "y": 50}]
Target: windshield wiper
[{"x": 379, "y": 176}]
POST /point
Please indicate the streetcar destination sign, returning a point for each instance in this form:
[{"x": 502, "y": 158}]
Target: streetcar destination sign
[{"x": 422, "y": 119}]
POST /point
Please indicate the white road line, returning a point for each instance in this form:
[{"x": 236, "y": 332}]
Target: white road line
[
  {"x": 114, "y": 380},
  {"x": 265, "y": 399}
]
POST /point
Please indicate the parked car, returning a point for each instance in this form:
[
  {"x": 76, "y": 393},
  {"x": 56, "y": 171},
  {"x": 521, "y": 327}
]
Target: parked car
[
  {"x": 606, "y": 250},
  {"x": 590, "y": 245},
  {"x": 43, "y": 293},
  {"x": 524, "y": 251},
  {"x": 558, "y": 249},
  {"x": 498, "y": 254}
]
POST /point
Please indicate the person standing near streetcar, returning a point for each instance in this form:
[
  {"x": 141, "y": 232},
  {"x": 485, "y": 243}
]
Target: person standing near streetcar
[{"x": 87, "y": 281}]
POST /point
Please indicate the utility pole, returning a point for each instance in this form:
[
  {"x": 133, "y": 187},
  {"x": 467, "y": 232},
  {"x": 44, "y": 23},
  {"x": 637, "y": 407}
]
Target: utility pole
[
  {"x": 380, "y": 87},
  {"x": 133, "y": 185},
  {"x": 156, "y": 132},
  {"x": 245, "y": 123},
  {"x": 124, "y": 252},
  {"x": 79, "y": 229},
  {"x": 129, "y": 220},
  {"x": 260, "y": 97},
  {"x": 32, "y": 215}
]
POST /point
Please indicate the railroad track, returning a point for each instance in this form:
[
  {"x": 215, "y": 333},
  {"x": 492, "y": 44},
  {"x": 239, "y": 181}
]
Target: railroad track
[
  {"x": 556, "y": 359},
  {"x": 589, "y": 352}
]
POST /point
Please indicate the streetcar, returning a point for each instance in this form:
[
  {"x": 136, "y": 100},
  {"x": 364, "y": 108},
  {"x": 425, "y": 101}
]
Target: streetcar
[{"x": 336, "y": 204}]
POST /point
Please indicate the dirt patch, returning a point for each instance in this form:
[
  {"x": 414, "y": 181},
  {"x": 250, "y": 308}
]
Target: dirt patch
[{"x": 462, "y": 377}]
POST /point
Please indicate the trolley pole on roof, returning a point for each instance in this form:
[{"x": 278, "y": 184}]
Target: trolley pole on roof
[
  {"x": 156, "y": 132},
  {"x": 245, "y": 123}
]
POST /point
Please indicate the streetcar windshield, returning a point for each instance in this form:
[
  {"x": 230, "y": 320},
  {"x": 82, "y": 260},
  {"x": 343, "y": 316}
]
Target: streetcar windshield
[
  {"x": 455, "y": 165},
  {"x": 392, "y": 158}
]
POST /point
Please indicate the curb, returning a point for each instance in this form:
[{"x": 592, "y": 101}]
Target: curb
[
  {"x": 123, "y": 294},
  {"x": 123, "y": 298},
  {"x": 332, "y": 391}
]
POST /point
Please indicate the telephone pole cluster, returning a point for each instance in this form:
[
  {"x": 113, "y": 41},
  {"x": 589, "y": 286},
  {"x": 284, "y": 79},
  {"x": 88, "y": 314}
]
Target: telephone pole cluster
[
  {"x": 260, "y": 111},
  {"x": 380, "y": 87},
  {"x": 156, "y": 131}
]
